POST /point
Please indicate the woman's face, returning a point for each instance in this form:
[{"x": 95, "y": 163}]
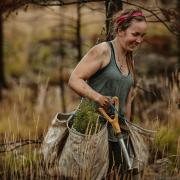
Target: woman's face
[{"x": 133, "y": 35}]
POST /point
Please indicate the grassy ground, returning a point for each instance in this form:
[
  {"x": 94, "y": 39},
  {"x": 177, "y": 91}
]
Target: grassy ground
[{"x": 23, "y": 116}]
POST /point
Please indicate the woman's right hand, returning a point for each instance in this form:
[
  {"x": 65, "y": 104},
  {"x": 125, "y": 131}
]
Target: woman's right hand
[{"x": 103, "y": 100}]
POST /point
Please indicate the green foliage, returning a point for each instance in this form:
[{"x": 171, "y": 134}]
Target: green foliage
[
  {"x": 87, "y": 119},
  {"x": 41, "y": 59},
  {"x": 166, "y": 138},
  {"x": 157, "y": 29},
  {"x": 18, "y": 164},
  {"x": 15, "y": 57}
]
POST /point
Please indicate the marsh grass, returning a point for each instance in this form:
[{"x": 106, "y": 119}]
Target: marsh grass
[{"x": 20, "y": 120}]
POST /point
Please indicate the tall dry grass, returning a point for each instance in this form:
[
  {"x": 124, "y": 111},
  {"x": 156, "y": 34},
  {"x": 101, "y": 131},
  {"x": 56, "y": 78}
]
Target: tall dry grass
[{"x": 27, "y": 115}]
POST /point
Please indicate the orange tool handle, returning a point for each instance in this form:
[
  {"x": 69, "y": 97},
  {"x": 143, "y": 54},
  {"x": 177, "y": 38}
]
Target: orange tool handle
[{"x": 114, "y": 121}]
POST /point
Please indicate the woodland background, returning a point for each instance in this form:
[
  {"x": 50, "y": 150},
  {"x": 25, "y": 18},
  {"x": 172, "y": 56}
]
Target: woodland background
[{"x": 40, "y": 44}]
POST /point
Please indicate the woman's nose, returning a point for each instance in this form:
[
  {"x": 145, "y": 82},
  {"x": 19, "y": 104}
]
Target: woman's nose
[{"x": 139, "y": 40}]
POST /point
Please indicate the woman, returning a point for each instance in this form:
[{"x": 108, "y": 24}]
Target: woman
[{"x": 108, "y": 70}]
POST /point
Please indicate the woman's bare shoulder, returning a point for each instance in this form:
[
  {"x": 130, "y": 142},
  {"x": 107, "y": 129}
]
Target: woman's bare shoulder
[
  {"x": 102, "y": 48},
  {"x": 102, "y": 53}
]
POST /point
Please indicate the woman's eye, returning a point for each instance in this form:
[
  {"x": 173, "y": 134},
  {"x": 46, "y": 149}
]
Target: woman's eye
[
  {"x": 135, "y": 34},
  {"x": 138, "y": 34}
]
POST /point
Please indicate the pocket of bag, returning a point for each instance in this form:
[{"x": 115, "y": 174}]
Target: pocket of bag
[{"x": 56, "y": 137}]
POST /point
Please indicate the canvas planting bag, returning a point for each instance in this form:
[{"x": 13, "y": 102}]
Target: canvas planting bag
[{"x": 74, "y": 155}]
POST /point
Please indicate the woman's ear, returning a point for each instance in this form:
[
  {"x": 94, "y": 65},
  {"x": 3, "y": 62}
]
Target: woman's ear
[{"x": 120, "y": 33}]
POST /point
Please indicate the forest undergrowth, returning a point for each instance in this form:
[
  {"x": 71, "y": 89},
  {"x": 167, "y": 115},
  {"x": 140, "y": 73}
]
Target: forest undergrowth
[{"x": 25, "y": 117}]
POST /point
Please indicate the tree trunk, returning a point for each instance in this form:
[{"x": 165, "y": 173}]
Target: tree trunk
[
  {"x": 78, "y": 33},
  {"x": 2, "y": 77},
  {"x": 112, "y": 7},
  {"x": 178, "y": 37},
  {"x": 61, "y": 67}
]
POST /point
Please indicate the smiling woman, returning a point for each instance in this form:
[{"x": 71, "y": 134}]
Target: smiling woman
[{"x": 107, "y": 70}]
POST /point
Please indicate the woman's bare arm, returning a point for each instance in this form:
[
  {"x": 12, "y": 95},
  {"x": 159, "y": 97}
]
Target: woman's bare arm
[
  {"x": 95, "y": 59},
  {"x": 131, "y": 95},
  {"x": 128, "y": 105}
]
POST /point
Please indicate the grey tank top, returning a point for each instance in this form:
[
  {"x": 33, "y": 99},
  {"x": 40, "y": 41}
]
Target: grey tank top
[{"x": 109, "y": 81}]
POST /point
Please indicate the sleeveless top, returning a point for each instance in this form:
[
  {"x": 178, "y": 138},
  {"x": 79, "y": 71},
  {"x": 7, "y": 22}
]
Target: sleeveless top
[{"x": 109, "y": 81}]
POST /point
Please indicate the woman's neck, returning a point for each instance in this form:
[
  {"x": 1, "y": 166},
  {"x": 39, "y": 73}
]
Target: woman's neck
[
  {"x": 121, "y": 52},
  {"x": 119, "y": 48}
]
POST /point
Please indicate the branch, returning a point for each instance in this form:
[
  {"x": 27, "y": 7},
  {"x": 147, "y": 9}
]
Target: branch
[
  {"x": 66, "y": 3},
  {"x": 154, "y": 14},
  {"x": 10, "y": 146},
  {"x": 11, "y": 5}
]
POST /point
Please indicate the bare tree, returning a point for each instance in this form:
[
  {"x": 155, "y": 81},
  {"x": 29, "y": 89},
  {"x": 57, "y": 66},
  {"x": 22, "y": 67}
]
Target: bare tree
[
  {"x": 178, "y": 40},
  {"x": 8, "y": 6},
  {"x": 112, "y": 7},
  {"x": 61, "y": 66},
  {"x": 2, "y": 77},
  {"x": 78, "y": 32}
]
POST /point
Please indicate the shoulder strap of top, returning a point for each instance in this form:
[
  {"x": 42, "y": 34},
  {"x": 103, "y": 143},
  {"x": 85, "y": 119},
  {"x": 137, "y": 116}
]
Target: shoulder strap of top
[{"x": 112, "y": 49}]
